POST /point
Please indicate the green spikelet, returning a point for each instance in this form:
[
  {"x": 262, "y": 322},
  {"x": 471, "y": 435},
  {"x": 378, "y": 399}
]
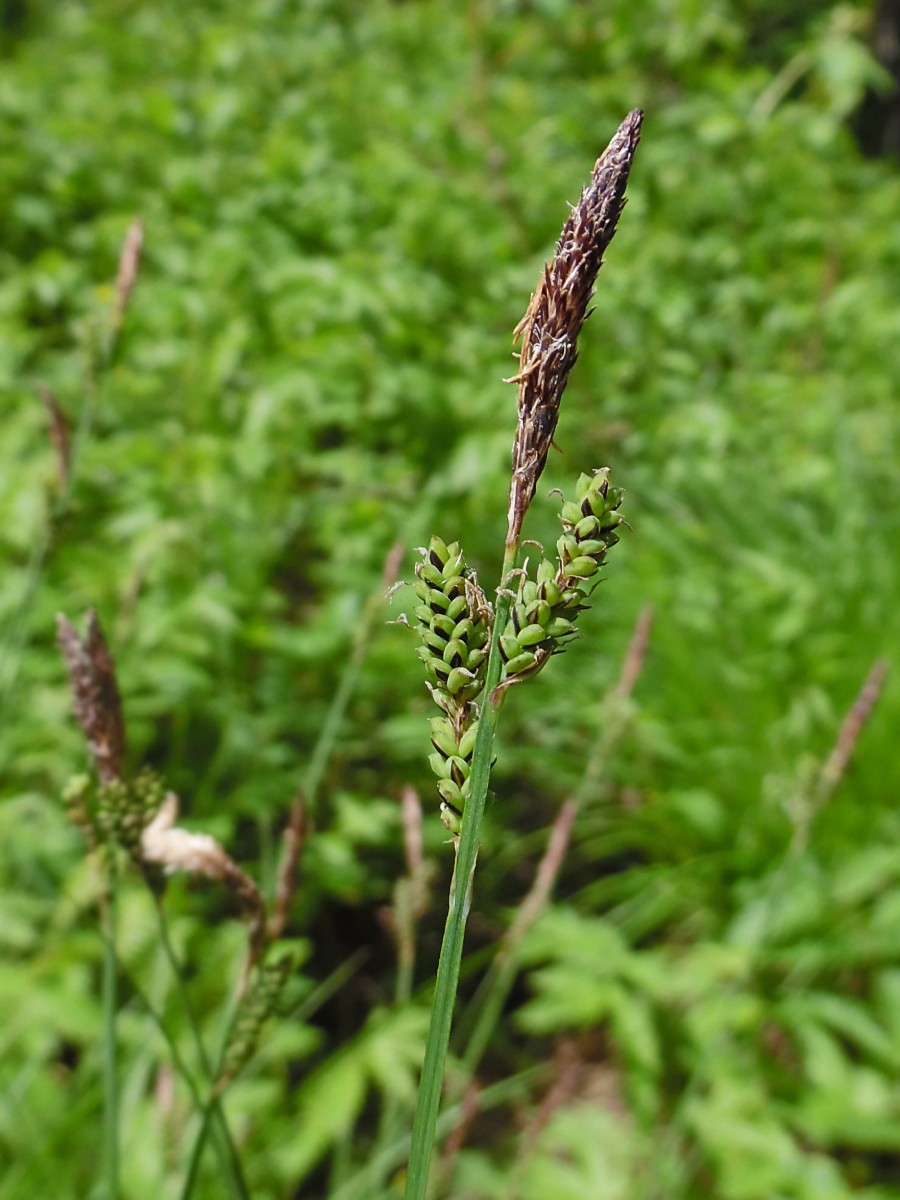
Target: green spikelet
[
  {"x": 124, "y": 809},
  {"x": 77, "y": 796},
  {"x": 455, "y": 627},
  {"x": 258, "y": 1004},
  {"x": 115, "y": 813},
  {"x": 542, "y": 619}
]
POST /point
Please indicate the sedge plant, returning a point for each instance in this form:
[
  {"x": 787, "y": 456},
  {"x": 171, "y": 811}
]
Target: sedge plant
[
  {"x": 475, "y": 651},
  {"x": 129, "y": 821}
]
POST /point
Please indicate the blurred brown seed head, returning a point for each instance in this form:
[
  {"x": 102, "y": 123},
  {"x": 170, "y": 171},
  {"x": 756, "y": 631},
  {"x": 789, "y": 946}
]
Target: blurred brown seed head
[
  {"x": 129, "y": 260},
  {"x": 558, "y": 309},
  {"x": 96, "y": 701},
  {"x": 60, "y": 436}
]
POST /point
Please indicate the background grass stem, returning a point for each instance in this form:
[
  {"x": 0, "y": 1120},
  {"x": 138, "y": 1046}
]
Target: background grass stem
[
  {"x": 229, "y": 1160},
  {"x": 110, "y": 1047}
]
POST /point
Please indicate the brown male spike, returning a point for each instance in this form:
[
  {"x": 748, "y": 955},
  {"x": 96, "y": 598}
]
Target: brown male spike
[
  {"x": 558, "y": 309},
  {"x": 97, "y": 704}
]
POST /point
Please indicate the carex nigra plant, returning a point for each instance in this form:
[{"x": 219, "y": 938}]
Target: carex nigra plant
[{"x": 473, "y": 650}]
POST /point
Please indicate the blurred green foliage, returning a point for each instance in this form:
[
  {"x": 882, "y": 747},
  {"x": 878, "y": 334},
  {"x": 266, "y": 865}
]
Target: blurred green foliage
[{"x": 346, "y": 208}]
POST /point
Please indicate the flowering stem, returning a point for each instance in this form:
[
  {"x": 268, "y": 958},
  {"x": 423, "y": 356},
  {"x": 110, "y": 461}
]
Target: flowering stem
[
  {"x": 226, "y": 1150},
  {"x": 429, "y": 1099},
  {"x": 110, "y": 1063}
]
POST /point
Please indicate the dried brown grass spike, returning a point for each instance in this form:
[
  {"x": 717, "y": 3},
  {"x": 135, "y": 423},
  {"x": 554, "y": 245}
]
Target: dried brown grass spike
[
  {"x": 126, "y": 278},
  {"x": 97, "y": 704},
  {"x": 60, "y": 435},
  {"x": 558, "y": 309}
]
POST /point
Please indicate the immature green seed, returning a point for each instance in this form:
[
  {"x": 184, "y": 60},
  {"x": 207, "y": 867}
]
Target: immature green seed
[
  {"x": 451, "y": 792},
  {"x": 459, "y": 771},
  {"x": 529, "y": 592},
  {"x": 591, "y": 546},
  {"x": 519, "y": 663},
  {"x": 571, "y": 512},
  {"x": 551, "y": 592},
  {"x": 452, "y": 567},
  {"x": 597, "y": 503},
  {"x": 586, "y": 527},
  {"x": 457, "y": 680},
  {"x": 582, "y": 567},
  {"x": 443, "y": 624},
  {"x": 443, "y": 742},
  {"x": 430, "y": 574},
  {"x": 438, "y": 548},
  {"x": 475, "y": 659},
  {"x": 434, "y": 641},
  {"x": 539, "y": 612},
  {"x": 467, "y": 741},
  {"x": 455, "y": 608},
  {"x": 457, "y": 653},
  {"x": 560, "y": 627},
  {"x": 509, "y": 647},
  {"x": 583, "y": 486},
  {"x": 440, "y": 765},
  {"x": 423, "y": 612},
  {"x": 451, "y": 817},
  {"x": 531, "y": 635},
  {"x": 545, "y": 571}
]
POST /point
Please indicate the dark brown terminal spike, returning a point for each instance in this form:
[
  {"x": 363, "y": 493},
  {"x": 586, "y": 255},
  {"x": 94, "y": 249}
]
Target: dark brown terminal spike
[
  {"x": 97, "y": 704},
  {"x": 558, "y": 309}
]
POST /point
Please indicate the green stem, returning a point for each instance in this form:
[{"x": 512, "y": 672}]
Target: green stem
[
  {"x": 110, "y": 1065},
  {"x": 175, "y": 967},
  {"x": 429, "y": 1098},
  {"x": 491, "y": 996},
  {"x": 364, "y": 1183},
  {"x": 498, "y": 983},
  {"x": 212, "y": 1105},
  {"x": 197, "y": 1152},
  {"x": 329, "y": 986},
  {"x": 226, "y": 1150},
  {"x": 315, "y": 1000}
]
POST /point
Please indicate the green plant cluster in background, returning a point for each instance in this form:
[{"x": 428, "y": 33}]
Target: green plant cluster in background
[{"x": 345, "y": 209}]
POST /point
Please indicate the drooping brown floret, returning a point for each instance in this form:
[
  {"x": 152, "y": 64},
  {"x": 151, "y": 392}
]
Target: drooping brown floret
[
  {"x": 165, "y": 845},
  {"x": 96, "y": 704},
  {"x": 550, "y": 328}
]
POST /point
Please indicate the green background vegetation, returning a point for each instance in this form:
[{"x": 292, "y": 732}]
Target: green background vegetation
[{"x": 346, "y": 208}]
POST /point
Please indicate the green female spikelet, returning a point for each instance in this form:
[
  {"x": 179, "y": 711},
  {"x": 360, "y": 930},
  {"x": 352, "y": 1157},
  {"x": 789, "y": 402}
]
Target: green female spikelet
[
  {"x": 542, "y": 619},
  {"x": 454, "y": 624},
  {"x": 257, "y": 1006}
]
